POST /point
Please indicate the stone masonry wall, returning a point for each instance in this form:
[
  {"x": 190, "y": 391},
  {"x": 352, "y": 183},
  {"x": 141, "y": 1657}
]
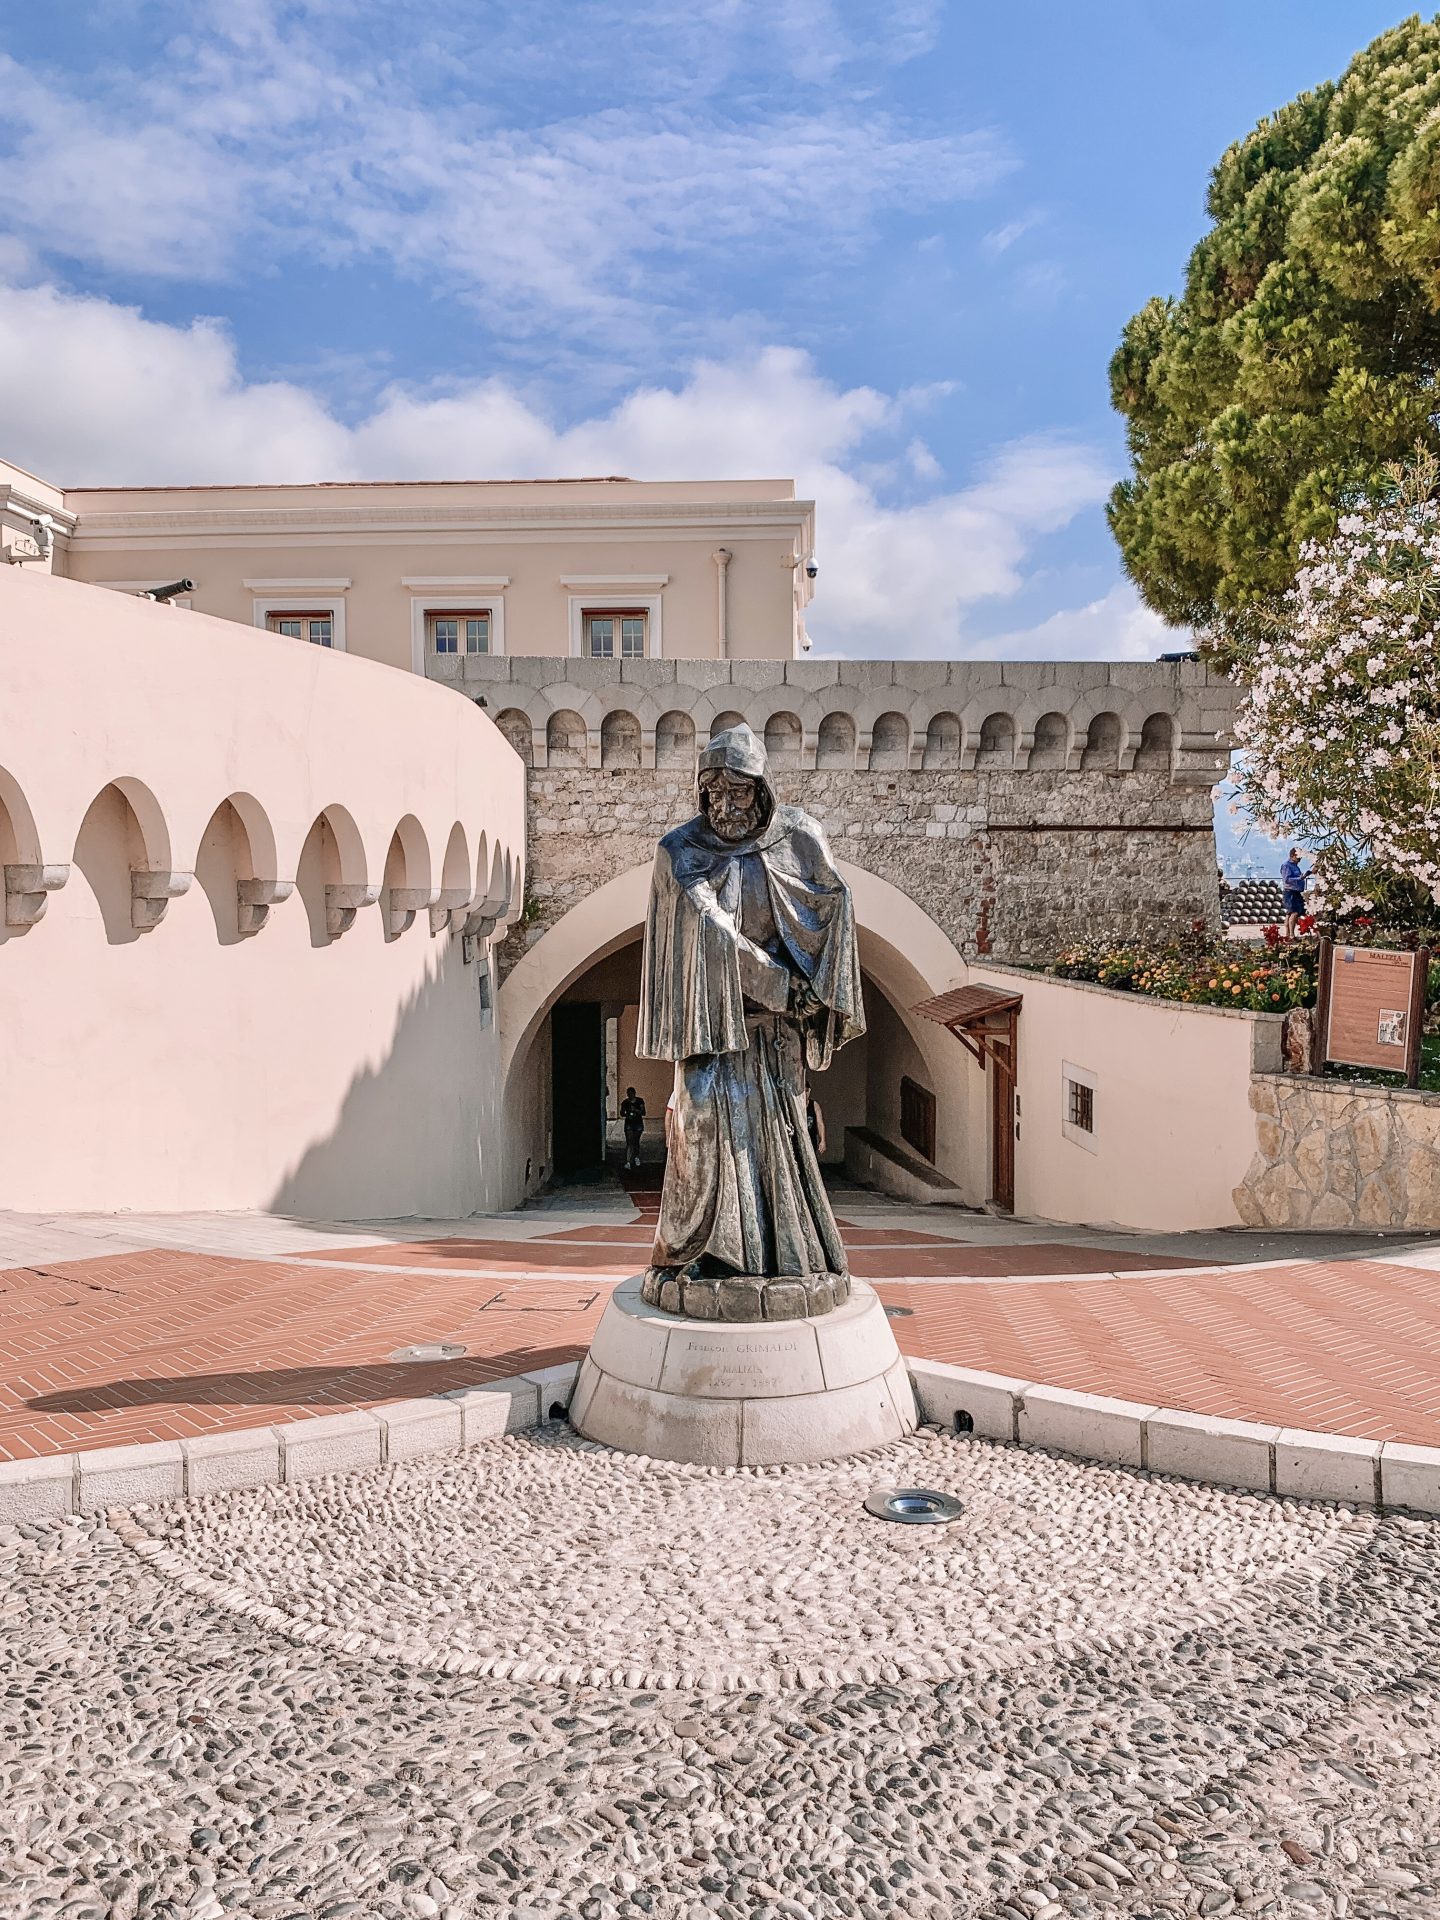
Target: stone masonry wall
[
  {"x": 1021, "y": 806},
  {"x": 1334, "y": 1153}
]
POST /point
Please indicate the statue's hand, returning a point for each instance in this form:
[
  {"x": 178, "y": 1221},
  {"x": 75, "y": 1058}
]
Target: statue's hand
[{"x": 803, "y": 1002}]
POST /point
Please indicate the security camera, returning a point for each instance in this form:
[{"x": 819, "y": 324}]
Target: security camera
[{"x": 812, "y": 566}]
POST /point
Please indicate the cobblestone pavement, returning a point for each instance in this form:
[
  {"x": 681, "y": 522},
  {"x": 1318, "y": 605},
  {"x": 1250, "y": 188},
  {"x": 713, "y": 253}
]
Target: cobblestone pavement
[{"x": 1097, "y": 1694}]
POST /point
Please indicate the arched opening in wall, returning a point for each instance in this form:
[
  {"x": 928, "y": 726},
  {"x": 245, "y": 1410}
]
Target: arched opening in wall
[
  {"x": 19, "y": 846},
  {"x": 1157, "y": 738},
  {"x": 332, "y": 856},
  {"x": 565, "y": 739},
  {"x": 782, "y": 740},
  {"x": 569, "y": 1013},
  {"x": 997, "y": 741},
  {"x": 112, "y": 846},
  {"x": 1052, "y": 742},
  {"x": 835, "y": 742},
  {"x": 890, "y": 741},
  {"x": 619, "y": 740},
  {"x": 516, "y": 728},
  {"x": 224, "y": 860},
  {"x": 723, "y": 720},
  {"x": 674, "y": 740},
  {"x": 942, "y": 741},
  {"x": 1102, "y": 743},
  {"x": 593, "y": 1069}
]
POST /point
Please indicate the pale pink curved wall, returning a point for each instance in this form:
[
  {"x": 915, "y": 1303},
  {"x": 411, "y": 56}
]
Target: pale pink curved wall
[{"x": 186, "y": 1066}]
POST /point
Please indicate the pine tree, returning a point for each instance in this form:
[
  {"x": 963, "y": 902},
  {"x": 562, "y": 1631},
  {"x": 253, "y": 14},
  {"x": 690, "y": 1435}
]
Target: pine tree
[{"x": 1302, "y": 358}]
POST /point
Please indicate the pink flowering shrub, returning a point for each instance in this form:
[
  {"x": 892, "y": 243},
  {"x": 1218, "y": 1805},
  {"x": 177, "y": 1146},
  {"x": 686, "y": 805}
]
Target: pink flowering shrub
[{"x": 1340, "y": 731}]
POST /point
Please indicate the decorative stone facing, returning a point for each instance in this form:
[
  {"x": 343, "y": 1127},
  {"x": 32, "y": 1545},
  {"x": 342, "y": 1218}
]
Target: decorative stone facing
[
  {"x": 1334, "y": 1153},
  {"x": 1022, "y": 804}
]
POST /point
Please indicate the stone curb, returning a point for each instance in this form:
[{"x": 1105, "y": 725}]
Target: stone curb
[
  {"x": 1387, "y": 1474},
  {"x": 103, "y": 1477}
]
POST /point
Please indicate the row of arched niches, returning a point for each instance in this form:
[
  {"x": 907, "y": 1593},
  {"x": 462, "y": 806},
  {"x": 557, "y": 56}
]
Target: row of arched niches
[
  {"x": 445, "y": 880},
  {"x": 1104, "y": 741}
]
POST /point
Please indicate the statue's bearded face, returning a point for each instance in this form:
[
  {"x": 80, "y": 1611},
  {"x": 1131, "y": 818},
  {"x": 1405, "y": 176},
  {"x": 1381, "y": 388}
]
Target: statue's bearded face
[{"x": 732, "y": 804}]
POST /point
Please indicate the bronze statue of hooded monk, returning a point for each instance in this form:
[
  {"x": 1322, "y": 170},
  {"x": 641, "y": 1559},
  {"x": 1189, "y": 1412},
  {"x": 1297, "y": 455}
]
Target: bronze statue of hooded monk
[{"x": 751, "y": 977}]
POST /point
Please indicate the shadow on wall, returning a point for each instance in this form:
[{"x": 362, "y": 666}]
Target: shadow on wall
[{"x": 421, "y": 1133}]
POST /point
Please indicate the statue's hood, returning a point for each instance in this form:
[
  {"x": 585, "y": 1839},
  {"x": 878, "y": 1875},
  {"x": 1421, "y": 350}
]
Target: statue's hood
[{"x": 737, "y": 751}]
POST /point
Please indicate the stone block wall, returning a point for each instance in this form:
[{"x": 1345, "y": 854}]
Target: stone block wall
[
  {"x": 1022, "y": 805},
  {"x": 1335, "y": 1153}
]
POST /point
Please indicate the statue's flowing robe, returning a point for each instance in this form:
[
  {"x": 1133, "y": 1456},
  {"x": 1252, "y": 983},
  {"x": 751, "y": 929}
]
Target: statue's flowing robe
[{"x": 734, "y": 929}]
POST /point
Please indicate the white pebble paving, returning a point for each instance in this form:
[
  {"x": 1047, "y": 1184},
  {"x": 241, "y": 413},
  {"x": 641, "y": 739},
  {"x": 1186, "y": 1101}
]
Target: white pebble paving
[{"x": 542, "y": 1680}]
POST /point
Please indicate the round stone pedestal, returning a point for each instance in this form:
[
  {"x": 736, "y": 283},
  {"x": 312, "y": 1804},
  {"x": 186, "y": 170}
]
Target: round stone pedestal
[{"x": 734, "y": 1394}]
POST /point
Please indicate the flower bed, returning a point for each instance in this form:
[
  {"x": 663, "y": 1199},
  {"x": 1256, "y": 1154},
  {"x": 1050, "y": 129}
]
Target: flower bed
[{"x": 1205, "y": 974}]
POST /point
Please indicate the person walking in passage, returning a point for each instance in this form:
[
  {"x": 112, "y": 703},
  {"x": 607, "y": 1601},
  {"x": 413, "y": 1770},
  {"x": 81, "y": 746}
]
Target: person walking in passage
[
  {"x": 632, "y": 1112},
  {"x": 1292, "y": 883}
]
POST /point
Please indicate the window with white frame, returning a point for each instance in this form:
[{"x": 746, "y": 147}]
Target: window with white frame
[
  {"x": 1077, "y": 1105},
  {"x": 315, "y": 625},
  {"x": 458, "y": 631},
  {"x": 615, "y": 633}
]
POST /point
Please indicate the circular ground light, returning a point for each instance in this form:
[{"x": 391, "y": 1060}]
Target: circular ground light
[
  {"x": 431, "y": 1350},
  {"x": 913, "y": 1506}
]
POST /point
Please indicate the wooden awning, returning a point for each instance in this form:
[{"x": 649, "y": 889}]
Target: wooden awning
[{"x": 977, "y": 1016}]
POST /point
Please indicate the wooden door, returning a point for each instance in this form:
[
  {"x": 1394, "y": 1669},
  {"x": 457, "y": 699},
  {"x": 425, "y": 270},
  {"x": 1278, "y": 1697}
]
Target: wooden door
[{"x": 1002, "y": 1122}]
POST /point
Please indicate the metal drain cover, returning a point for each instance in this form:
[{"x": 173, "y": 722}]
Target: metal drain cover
[
  {"x": 431, "y": 1350},
  {"x": 899, "y": 1313},
  {"x": 914, "y": 1506}
]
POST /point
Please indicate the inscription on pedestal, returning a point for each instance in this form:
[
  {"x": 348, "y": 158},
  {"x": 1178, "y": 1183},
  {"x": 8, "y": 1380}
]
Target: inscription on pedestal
[{"x": 750, "y": 1363}]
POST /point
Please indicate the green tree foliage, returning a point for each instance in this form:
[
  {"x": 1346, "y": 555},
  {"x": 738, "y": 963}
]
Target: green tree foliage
[{"x": 1302, "y": 357}]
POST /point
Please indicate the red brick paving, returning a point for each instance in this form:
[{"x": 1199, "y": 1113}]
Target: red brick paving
[{"x": 164, "y": 1345}]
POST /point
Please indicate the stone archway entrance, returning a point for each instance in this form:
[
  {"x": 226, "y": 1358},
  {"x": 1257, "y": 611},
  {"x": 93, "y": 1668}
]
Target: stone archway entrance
[{"x": 590, "y": 959}]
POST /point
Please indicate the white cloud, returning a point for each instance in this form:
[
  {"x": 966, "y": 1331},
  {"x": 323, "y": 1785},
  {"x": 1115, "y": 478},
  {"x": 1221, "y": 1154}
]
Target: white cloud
[
  {"x": 97, "y": 394},
  {"x": 1117, "y": 626},
  {"x": 1000, "y": 239},
  {"x": 265, "y": 138}
]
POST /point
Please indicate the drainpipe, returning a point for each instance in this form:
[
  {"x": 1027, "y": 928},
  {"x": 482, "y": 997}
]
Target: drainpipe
[{"x": 722, "y": 557}]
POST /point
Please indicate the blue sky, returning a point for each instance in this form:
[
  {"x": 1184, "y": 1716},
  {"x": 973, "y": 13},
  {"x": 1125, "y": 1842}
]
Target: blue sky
[{"x": 885, "y": 249}]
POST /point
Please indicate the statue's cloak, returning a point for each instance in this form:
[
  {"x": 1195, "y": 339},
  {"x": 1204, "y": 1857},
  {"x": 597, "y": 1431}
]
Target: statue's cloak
[
  {"x": 751, "y": 976},
  {"x": 699, "y": 971}
]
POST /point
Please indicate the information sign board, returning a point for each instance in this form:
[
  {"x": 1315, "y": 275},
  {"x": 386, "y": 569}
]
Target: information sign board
[{"x": 1371, "y": 1005}]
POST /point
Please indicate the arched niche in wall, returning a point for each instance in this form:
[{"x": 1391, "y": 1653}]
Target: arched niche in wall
[
  {"x": 516, "y": 728},
  {"x": 565, "y": 739},
  {"x": 235, "y": 868},
  {"x": 330, "y": 875},
  {"x": 890, "y": 742},
  {"x": 675, "y": 740},
  {"x": 1102, "y": 743},
  {"x": 723, "y": 720},
  {"x": 619, "y": 739},
  {"x": 1157, "y": 740},
  {"x": 942, "y": 741},
  {"x": 1052, "y": 743},
  {"x": 123, "y": 848},
  {"x": 835, "y": 741},
  {"x": 25, "y": 882},
  {"x": 997, "y": 741},
  {"x": 782, "y": 741},
  {"x": 406, "y": 886}
]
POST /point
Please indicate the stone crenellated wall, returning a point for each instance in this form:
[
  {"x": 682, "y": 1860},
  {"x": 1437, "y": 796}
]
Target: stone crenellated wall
[
  {"x": 1020, "y": 804},
  {"x": 1336, "y": 1153}
]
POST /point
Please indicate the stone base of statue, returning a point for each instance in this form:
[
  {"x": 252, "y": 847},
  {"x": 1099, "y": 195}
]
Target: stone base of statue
[
  {"x": 739, "y": 1296},
  {"x": 729, "y": 1393}
]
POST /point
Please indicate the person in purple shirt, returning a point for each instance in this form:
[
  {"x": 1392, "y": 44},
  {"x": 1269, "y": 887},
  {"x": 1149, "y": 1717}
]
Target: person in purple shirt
[{"x": 1292, "y": 882}]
